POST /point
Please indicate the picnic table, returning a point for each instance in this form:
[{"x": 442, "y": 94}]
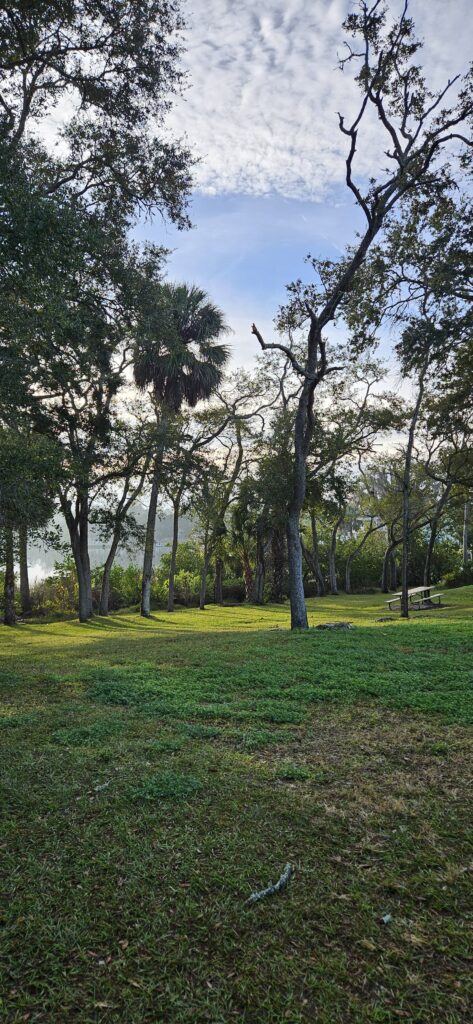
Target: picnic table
[{"x": 419, "y": 598}]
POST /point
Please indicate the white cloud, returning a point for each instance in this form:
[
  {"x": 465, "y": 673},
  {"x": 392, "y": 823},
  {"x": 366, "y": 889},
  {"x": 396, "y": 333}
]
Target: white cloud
[{"x": 265, "y": 89}]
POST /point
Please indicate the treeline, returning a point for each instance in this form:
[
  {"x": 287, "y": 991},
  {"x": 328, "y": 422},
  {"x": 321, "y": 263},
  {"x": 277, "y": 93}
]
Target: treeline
[{"x": 115, "y": 384}]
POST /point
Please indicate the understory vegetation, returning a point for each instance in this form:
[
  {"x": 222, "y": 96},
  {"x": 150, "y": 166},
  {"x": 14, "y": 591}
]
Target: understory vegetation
[{"x": 157, "y": 771}]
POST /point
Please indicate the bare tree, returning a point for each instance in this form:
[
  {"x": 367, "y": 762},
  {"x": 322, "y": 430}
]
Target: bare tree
[{"x": 418, "y": 128}]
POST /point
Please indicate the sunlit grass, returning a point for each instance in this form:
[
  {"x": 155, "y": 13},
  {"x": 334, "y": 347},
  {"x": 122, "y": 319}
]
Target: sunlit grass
[{"x": 156, "y": 772}]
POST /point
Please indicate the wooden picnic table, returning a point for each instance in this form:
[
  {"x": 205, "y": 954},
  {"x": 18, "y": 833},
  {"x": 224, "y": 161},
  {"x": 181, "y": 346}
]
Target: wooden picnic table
[{"x": 419, "y": 597}]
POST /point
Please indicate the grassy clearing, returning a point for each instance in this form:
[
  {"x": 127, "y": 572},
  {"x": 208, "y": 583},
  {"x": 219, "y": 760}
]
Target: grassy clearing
[{"x": 155, "y": 773}]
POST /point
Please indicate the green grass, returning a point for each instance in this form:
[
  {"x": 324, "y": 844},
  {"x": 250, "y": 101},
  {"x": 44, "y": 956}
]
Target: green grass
[{"x": 157, "y": 772}]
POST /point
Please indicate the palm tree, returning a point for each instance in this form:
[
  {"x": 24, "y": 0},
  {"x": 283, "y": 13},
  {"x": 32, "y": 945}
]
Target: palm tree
[{"x": 178, "y": 356}]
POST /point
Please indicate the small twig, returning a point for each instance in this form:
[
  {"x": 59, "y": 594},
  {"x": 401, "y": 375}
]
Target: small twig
[{"x": 272, "y": 889}]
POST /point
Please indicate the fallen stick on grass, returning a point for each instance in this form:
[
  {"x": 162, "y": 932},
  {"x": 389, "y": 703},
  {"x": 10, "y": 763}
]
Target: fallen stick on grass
[{"x": 272, "y": 889}]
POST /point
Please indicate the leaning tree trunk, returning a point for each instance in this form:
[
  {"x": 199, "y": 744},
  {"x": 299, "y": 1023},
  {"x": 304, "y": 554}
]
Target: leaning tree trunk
[
  {"x": 172, "y": 563},
  {"x": 278, "y": 558},
  {"x": 9, "y": 614},
  {"x": 107, "y": 569},
  {"x": 433, "y": 533},
  {"x": 466, "y": 517},
  {"x": 218, "y": 583},
  {"x": 25, "y": 595}
]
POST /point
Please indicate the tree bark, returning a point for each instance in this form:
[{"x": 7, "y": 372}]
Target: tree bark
[
  {"x": 145, "y": 608},
  {"x": 25, "y": 596},
  {"x": 386, "y": 580},
  {"x": 105, "y": 588},
  {"x": 296, "y": 583},
  {"x": 466, "y": 518},
  {"x": 203, "y": 578},
  {"x": 433, "y": 533},
  {"x": 319, "y": 576},
  {"x": 218, "y": 589},
  {"x": 260, "y": 575},
  {"x": 278, "y": 557},
  {"x": 9, "y": 615},
  {"x": 172, "y": 564},
  {"x": 248, "y": 577},
  {"x": 78, "y": 527},
  {"x": 332, "y": 567},
  {"x": 406, "y": 494}
]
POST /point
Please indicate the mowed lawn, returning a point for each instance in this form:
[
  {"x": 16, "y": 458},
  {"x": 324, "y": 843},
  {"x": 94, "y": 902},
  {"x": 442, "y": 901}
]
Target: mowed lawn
[{"x": 156, "y": 773}]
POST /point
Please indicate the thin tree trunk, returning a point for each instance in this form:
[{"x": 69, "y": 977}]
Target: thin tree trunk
[
  {"x": 218, "y": 589},
  {"x": 203, "y": 577},
  {"x": 386, "y": 576},
  {"x": 433, "y": 533},
  {"x": 107, "y": 569},
  {"x": 332, "y": 567},
  {"x": 319, "y": 576},
  {"x": 145, "y": 608},
  {"x": 9, "y": 614},
  {"x": 172, "y": 564},
  {"x": 466, "y": 518},
  {"x": 393, "y": 570},
  {"x": 24, "y": 578},
  {"x": 406, "y": 494},
  {"x": 278, "y": 557},
  {"x": 248, "y": 577},
  {"x": 260, "y": 566}
]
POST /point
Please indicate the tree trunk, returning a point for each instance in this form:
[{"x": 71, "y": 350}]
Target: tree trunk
[
  {"x": 348, "y": 565},
  {"x": 260, "y": 565},
  {"x": 203, "y": 578},
  {"x": 319, "y": 576},
  {"x": 386, "y": 575},
  {"x": 393, "y": 570},
  {"x": 172, "y": 564},
  {"x": 218, "y": 589},
  {"x": 9, "y": 615},
  {"x": 332, "y": 567},
  {"x": 466, "y": 517},
  {"x": 105, "y": 588},
  {"x": 278, "y": 557},
  {"x": 145, "y": 608},
  {"x": 78, "y": 527},
  {"x": 433, "y": 533},
  {"x": 24, "y": 578},
  {"x": 296, "y": 582},
  {"x": 406, "y": 494},
  {"x": 248, "y": 577}
]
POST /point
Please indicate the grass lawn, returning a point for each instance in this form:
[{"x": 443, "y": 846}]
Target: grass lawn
[{"x": 156, "y": 772}]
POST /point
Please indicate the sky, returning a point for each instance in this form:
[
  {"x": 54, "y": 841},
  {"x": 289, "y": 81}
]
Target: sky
[{"x": 260, "y": 113}]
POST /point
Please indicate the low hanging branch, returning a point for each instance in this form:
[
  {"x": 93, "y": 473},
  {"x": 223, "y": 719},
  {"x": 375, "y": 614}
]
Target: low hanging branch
[{"x": 272, "y": 889}]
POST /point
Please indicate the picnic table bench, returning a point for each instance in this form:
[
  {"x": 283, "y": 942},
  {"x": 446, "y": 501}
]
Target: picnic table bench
[{"x": 419, "y": 598}]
